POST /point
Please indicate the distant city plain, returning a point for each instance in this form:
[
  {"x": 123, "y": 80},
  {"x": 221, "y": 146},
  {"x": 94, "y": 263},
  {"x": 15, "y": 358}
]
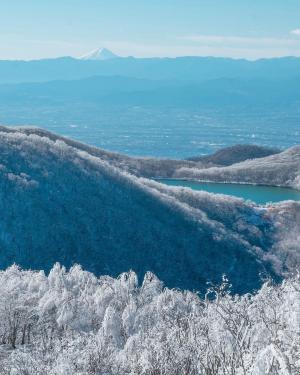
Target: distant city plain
[{"x": 161, "y": 132}]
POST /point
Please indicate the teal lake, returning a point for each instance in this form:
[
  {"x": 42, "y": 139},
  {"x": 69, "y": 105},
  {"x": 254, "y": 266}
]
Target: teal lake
[{"x": 255, "y": 193}]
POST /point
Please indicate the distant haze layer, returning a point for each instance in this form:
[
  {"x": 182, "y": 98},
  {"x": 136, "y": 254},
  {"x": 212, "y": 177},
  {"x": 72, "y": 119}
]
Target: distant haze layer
[{"x": 158, "y": 107}]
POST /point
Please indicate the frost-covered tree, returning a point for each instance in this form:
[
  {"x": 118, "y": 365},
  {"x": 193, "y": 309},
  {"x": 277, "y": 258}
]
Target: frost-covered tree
[{"x": 71, "y": 322}]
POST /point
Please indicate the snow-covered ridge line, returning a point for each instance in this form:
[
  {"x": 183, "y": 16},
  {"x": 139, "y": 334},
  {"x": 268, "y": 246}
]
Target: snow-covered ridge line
[
  {"x": 147, "y": 166},
  {"x": 139, "y": 166},
  {"x": 71, "y": 322}
]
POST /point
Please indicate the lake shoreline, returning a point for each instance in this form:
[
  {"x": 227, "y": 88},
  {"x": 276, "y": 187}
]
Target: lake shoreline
[
  {"x": 158, "y": 179},
  {"x": 259, "y": 194}
]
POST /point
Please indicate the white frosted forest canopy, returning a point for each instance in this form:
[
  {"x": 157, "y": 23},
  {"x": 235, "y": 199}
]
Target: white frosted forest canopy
[
  {"x": 62, "y": 201},
  {"x": 72, "y": 323}
]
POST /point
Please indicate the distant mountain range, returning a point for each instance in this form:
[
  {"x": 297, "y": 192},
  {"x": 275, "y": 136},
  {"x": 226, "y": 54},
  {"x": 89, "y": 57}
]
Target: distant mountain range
[
  {"x": 102, "y": 78},
  {"x": 193, "y": 69},
  {"x": 113, "y": 101},
  {"x": 129, "y": 91}
]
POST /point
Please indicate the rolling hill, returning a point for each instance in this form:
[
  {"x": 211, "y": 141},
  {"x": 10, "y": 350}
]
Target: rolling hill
[
  {"x": 235, "y": 154},
  {"x": 61, "y": 203},
  {"x": 280, "y": 169}
]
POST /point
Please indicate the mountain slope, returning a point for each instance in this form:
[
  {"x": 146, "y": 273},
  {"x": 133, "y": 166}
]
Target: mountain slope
[
  {"x": 235, "y": 154},
  {"x": 160, "y": 168},
  {"x": 281, "y": 169},
  {"x": 60, "y": 203}
]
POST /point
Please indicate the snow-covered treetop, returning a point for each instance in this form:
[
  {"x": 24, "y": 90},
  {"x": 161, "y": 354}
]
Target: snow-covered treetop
[{"x": 71, "y": 322}]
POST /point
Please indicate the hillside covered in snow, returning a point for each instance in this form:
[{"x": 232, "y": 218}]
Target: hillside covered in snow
[
  {"x": 60, "y": 201},
  {"x": 281, "y": 169},
  {"x": 235, "y": 154},
  {"x": 239, "y": 163},
  {"x": 156, "y": 167}
]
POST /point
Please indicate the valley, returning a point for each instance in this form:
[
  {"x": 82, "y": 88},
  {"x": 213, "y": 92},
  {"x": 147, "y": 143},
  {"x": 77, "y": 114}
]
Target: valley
[{"x": 150, "y": 206}]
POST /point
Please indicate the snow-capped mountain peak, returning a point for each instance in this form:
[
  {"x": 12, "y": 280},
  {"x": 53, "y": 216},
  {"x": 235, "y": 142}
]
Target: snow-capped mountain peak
[{"x": 99, "y": 54}]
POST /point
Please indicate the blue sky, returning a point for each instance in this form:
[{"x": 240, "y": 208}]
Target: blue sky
[{"x": 31, "y": 29}]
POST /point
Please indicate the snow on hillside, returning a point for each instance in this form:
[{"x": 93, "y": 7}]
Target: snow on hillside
[
  {"x": 235, "y": 154},
  {"x": 282, "y": 169},
  {"x": 61, "y": 201},
  {"x": 72, "y": 323},
  {"x": 160, "y": 168}
]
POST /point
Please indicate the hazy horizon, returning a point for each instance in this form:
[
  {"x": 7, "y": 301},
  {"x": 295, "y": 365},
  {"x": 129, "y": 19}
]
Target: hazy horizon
[
  {"x": 152, "y": 57},
  {"x": 36, "y": 30}
]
